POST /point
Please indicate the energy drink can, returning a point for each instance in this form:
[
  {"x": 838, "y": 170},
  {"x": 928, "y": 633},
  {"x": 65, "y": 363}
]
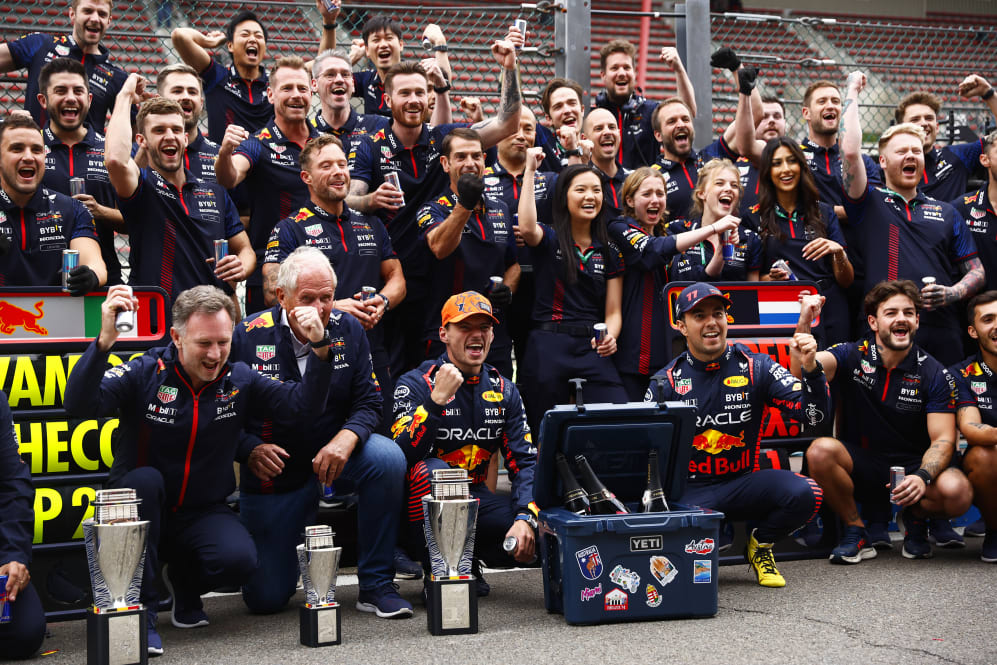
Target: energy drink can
[
  {"x": 599, "y": 331},
  {"x": 520, "y": 23},
  {"x": 426, "y": 44},
  {"x": 77, "y": 186},
  {"x": 928, "y": 281},
  {"x": 70, "y": 261},
  {"x": 494, "y": 282},
  {"x": 124, "y": 321},
  {"x": 728, "y": 248},
  {"x": 221, "y": 250},
  {"x": 782, "y": 265},
  {"x": 330, "y": 5},
  {"x": 392, "y": 179},
  {"x": 509, "y": 544},
  {"x": 367, "y": 292},
  {"x": 4, "y": 605},
  {"x": 897, "y": 475}
]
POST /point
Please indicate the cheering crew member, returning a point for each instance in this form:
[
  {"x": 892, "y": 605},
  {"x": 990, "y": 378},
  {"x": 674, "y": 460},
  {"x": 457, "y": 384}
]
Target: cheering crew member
[
  {"x": 332, "y": 79},
  {"x": 579, "y": 283},
  {"x": 715, "y": 197},
  {"x": 946, "y": 168},
  {"x": 978, "y": 211},
  {"x": 900, "y": 411},
  {"x": 977, "y": 417},
  {"x": 90, "y": 20},
  {"x": 903, "y": 233},
  {"x": 601, "y": 139},
  {"x": 355, "y": 244},
  {"x": 36, "y": 223},
  {"x": 24, "y": 633},
  {"x": 561, "y": 101},
  {"x": 410, "y": 149},
  {"x": 336, "y": 442},
  {"x": 457, "y": 411},
  {"x": 471, "y": 238},
  {"x": 730, "y": 385},
  {"x": 798, "y": 228},
  {"x": 268, "y": 160},
  {"x": 647, "y": 249},
  {"x": 75, "y": 150},
  {"x": 237, "y": 94},
  {"x": 771, "y": 125},
  {"x": 173, "y": 218},
  {"x": 183, "y": 409},
  {"x": 632, "y": 111}
]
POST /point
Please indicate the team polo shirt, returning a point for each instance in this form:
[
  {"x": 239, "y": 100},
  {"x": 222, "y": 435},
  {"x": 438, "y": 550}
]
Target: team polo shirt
[
  {"x": 796, "y": 236},
  {"x": 172, "y": 232},
  {"x": 274, "y": 185},
  {"x": 976, "y": 385},
  {"x": 554, "y": 158},
  {"x": 36, "y": 50},
  {"x": 232, "y": 100},
  {"x": 353, "y": 130},
  {"x": 583, "y": 302},
  {"x": 421, "y": 176},
  {"x": 690, "y": 265},
  {"x": 504, "y": 186},
  {"x": 486, "y": 248},
  {"x": 638, "y": 146},
  {"x": 825, "y": 164},
  {"x": 681, "y": 177},
  {"x": 749, "y": 195},
  {"x": 978, "y": 211},
  {"x": 888, "y": 408},
  {"x": 947, "y": 170},
  {"x": 640, "y": 348},
  {"x": 368, "y": 85},
  {"x": 200, "y": 156},
  {"x": 612, "y": 191},
  {"x": 38, "y": 233}
]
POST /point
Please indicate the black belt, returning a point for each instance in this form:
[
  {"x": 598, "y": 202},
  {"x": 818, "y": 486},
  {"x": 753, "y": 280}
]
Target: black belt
[{"x": 573, "y": 329}]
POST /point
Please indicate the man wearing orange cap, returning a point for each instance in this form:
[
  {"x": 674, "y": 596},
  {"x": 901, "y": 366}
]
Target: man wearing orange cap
[{"x": 457, "y": 411}]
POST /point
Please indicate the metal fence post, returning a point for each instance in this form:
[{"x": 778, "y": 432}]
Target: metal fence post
[
  {"x": 573, "y": 38},
  {"x": 692, "y": 36}
]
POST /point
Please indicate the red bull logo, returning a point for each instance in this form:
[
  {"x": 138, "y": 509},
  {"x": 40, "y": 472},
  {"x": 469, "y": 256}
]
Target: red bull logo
[
  {"x": 714, "y": 442},
  {"x": 12, "y": 316},
  {"x": 468, "y": 457},
  {"x": 264, "y": 320},
  {"x": 972, "y": 370}
]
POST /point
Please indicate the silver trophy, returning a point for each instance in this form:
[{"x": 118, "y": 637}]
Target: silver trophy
[
  {"x": 115, "y": 541},
  {"x": 318, "y": 560},
  {"x": 450, "y": 515}
]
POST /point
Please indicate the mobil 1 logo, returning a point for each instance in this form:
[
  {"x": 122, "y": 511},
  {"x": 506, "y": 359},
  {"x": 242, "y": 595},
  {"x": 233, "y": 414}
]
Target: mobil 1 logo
[{"x": 651, "y": 543}]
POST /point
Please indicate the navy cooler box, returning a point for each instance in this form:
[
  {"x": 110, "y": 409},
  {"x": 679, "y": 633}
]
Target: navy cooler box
[{"x": 605, "y": 568}]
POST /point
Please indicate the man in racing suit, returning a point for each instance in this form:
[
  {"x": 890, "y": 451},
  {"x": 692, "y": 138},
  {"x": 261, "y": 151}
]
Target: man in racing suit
[
  {"x": 456, "y": 411},
  {"x": 730, "y": 386}
]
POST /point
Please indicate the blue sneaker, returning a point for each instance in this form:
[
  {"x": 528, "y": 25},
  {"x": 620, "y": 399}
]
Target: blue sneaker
[
  {"x": 989, "y": 551},
  {"x": 187, "y": 612},
  {"x": 878, "y": 534},
  {"x": 385, "y": 602},
  {"x": 916, "y": 545},
  {"x": 155, "y": 647},
  {"x": 853, "y": 547},
  {"x": 405, "y": 567},
  {"x": 977, "y": 529},
  {"x": 941, "y": 533}
]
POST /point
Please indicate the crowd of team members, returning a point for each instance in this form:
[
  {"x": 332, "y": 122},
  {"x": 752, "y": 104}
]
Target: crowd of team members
[{"x": 376, "y": 238}]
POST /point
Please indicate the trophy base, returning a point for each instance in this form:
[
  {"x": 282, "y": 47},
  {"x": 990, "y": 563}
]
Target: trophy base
[
  {"x": 320, "y": 625},
  {"x": 452, "y": 606},
  {"x": 117, "y": 637}
]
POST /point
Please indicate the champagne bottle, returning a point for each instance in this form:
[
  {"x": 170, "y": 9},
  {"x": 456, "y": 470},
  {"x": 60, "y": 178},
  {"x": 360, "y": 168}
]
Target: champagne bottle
[
  {"x": 575, "y": 498},
  {"x": 601, "y": 500},
  {"x": 654, "y": 496}
]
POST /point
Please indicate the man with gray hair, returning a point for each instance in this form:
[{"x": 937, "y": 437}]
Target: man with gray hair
[
  {"x": 183, "y": 411},
  {"x": 280, "y": 497}
]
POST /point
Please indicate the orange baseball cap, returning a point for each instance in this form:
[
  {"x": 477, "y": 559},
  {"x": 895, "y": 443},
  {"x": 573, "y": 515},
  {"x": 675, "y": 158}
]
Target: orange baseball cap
[{"x": 460, "y": 306}]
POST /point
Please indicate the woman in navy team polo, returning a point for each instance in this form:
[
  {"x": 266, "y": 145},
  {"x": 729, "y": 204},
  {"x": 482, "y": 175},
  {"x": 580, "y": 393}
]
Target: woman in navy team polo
[
  {"x": 715, "y": 199},
  {"x": 796, "y": 227},
  {"x": 578, "y": 283},
  {"x": 646, "y": 248}
]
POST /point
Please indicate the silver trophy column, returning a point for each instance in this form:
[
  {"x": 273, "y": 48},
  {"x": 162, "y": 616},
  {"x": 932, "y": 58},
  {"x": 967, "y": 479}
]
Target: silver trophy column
[
  {"x": 450, "y": 518},
  {"x": 318, "y": 561},
  {"x": 115, "y": 542}
]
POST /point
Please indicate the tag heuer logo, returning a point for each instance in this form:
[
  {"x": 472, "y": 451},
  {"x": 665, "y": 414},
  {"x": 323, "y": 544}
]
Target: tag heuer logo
[
  {"x": 979, "y": 387},
  {"x": 166, "y": 394},
  {"x": 266, "y": 351},
  {"x": 683, "y": 386},
  {"x": 314, "y": 230}
]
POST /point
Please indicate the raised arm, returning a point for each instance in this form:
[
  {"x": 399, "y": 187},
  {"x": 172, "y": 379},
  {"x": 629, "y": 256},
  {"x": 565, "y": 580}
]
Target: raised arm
[
  {"x": 853, "y": 176},
  {"x": 528, "y": 228},
  {"x": 506, "y": 123},
  {"x": 230, "y": 168},
  {"x": 121, "y": 168},
  {"x": 810, "y": 306},
  {"x": 670, "y": 56},
  {"x": 330, "y": 21},
  {"x": 192, "y": 46},
  {"x": 973, "y": 85}
]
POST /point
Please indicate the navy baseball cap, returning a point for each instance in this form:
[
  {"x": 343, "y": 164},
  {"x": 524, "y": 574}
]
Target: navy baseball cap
[{"x": 696, "y": 293}]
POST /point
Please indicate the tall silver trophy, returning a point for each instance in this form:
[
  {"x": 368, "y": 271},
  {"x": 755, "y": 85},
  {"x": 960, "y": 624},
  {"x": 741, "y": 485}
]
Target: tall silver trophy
[
  {"x": 115, "y": 540},
  {"x": 450, "y": 517},
  {"x": 318, "y": 561}
]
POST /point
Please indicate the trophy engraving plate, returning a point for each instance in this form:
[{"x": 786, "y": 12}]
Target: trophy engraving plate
[
  {"x": 123, "y": 638},
  {"x": 327, "y": 625},
  {"x": 455, "y": 601}
]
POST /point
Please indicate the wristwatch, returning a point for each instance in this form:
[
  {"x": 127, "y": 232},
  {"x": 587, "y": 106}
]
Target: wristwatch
[
  {"x": 529, "y": 519},
  {"x": 577, "y": 152},
  {"x": 325, "y": 341}
]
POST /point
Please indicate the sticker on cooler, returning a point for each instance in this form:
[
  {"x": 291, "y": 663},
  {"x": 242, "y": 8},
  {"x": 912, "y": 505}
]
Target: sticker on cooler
[
  {"x": 625, "y": 578},
  {"x": 653, "y": 597},
  {"x": 588, "y": 593},
  {"x": 704, "y": 546},
  {"x": 616, "y": 600},
  {"x": 702, "y": 571},
  {"x": 589, "y": 562},
  {"x": 662, "y": 570}
]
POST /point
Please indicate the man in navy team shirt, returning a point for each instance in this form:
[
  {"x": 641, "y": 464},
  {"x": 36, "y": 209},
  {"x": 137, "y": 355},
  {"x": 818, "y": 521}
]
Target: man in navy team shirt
[
  {"x": 90, "y": 20},
  {"x": 268, "y": 161},
  {"x": 561, "y": 101},
  {"x": 946, "y": 168},
  {"x": 237, "y": 94},
  {"x": 601, "y": 136},
  {"x": 905, "y": 235},
  {"x": 978, "y": 209},
  {"x": 76, "y": 150},
  {"x": 173, "y": 217},
  {"x": 36, "y": 223}
]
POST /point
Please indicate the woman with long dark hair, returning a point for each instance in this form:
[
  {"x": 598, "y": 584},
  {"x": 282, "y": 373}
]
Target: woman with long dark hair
[
  {"x": 578, "y": 284},
  {"x": 801, "y": 230},
  {"x": 643, "y": 242}
]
